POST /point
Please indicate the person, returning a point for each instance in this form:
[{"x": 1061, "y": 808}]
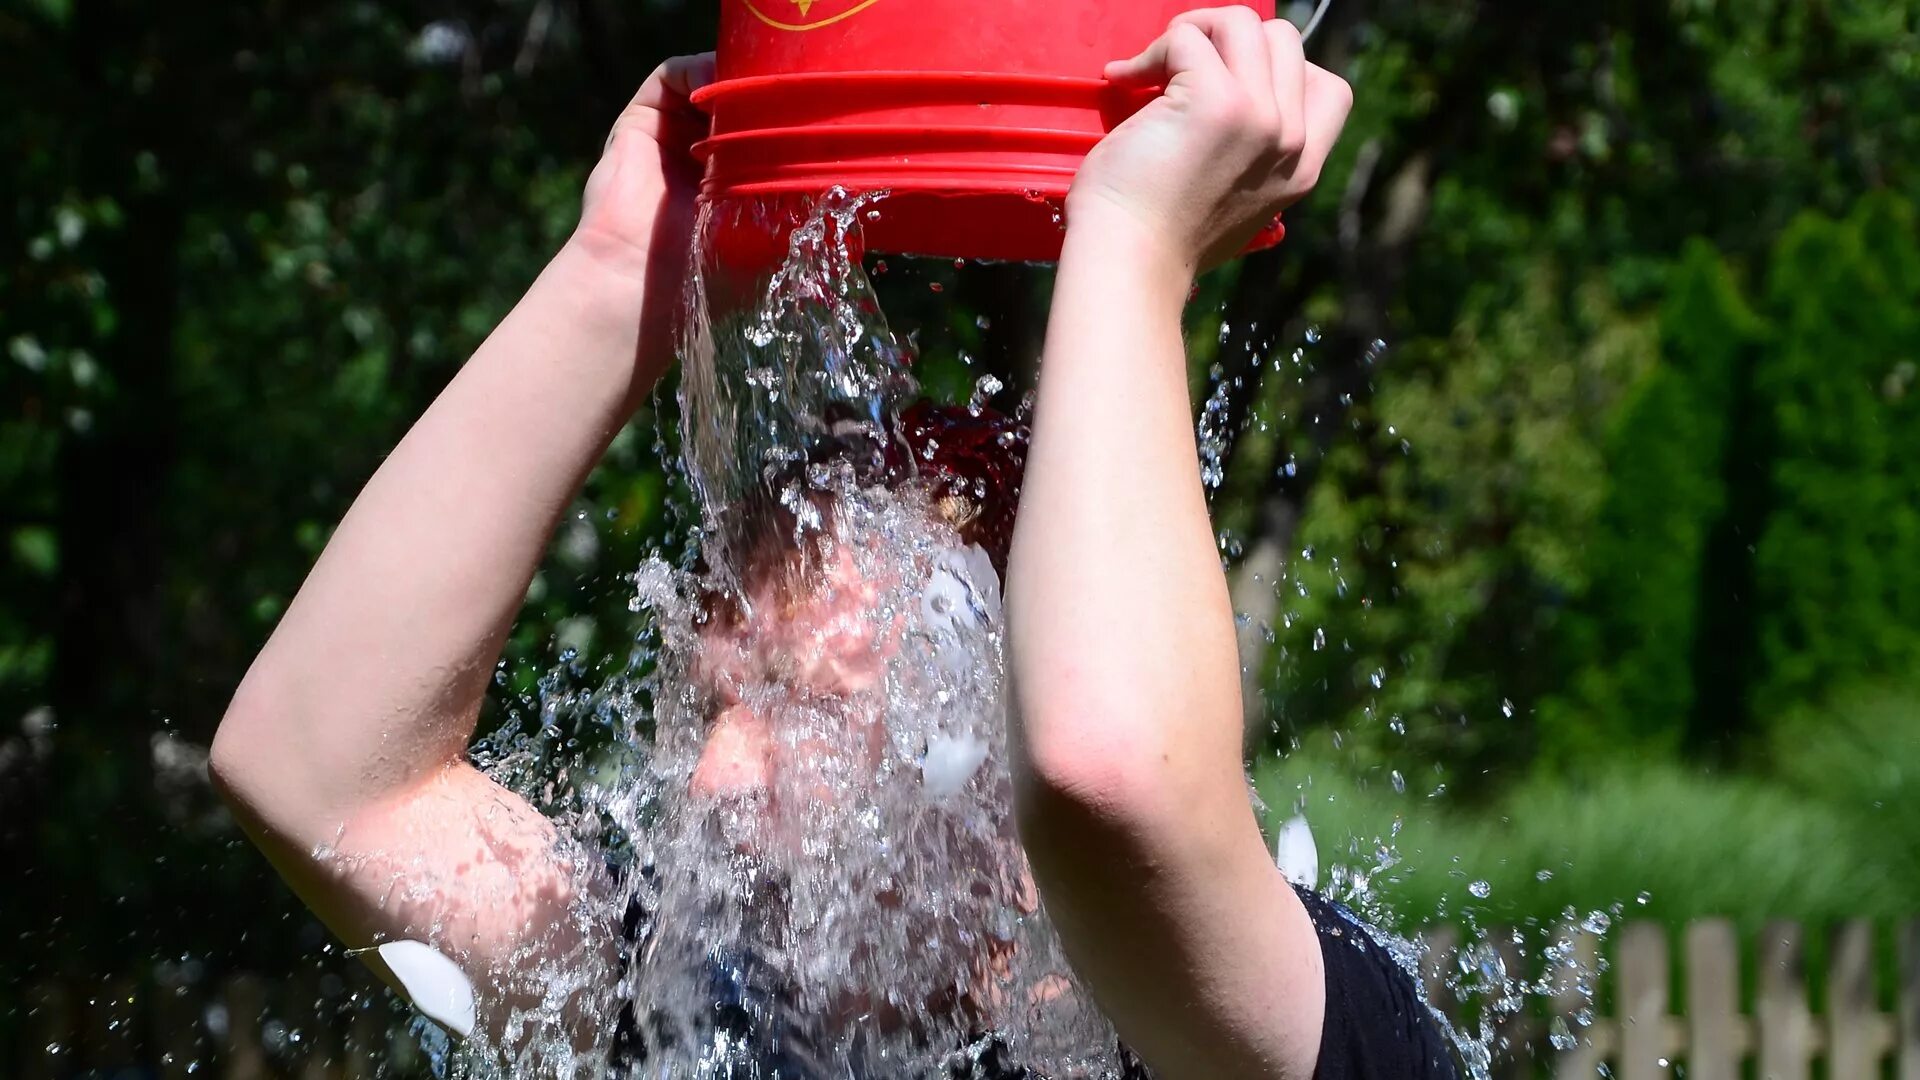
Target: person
[{"x": 343, "y": 751}]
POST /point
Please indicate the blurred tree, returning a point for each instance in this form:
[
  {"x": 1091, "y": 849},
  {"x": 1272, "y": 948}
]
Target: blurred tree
[
  {"x": 1540, "y": 171},
  {"x": 1838, "y": 581},
  {"x": 247, "y": 247},
  {"x": 1677, "y": 457}
]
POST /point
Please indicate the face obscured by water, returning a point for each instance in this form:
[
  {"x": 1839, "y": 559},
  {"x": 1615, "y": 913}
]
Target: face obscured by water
[{"x": 794, "y": 677}]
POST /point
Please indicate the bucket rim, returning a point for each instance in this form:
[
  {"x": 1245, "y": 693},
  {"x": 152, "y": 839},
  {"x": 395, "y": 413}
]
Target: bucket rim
[
  {"x": 1039, "y": 188},
  {"x": 917, "y": 136},
  {"x": 747, "y": 84}
]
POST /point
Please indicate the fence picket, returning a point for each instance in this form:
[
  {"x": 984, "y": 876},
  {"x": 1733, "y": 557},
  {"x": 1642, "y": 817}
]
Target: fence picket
[
  {"x": 1786, "y": 1027},
  {"x": 1907, "y": 1001},
  {"x": 1718, "y": 1036},
  {"x": 1858, "y": 1036},
  {"x": 1575, "y": 1004},
  {"x": 1645, "y": 1053},
  {"x": 1439, "y": 953},
  {"x": 1513, "y": 1026}
]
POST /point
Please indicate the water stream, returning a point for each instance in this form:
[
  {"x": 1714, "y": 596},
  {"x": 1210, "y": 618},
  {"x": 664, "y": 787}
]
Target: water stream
[{"x": 812, "y": 840}]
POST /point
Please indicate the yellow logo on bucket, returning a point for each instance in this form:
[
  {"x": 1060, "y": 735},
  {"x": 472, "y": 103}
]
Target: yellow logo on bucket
[{"x": 831, "y": 11}]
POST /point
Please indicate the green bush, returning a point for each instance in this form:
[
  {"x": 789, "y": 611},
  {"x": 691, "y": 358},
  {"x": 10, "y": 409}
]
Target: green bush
[
  {"x": 1656, "y": 842},
  {"x": 1860, "y": 757}
]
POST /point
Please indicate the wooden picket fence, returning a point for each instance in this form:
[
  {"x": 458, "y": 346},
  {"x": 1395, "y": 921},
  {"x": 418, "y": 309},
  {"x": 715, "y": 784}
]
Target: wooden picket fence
[
  {"x": 1622, "y": 1014},
  {"x": 1590, "y": 1002}
]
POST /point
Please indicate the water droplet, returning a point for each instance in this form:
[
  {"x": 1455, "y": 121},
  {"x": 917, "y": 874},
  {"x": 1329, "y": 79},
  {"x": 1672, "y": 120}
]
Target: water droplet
[
  {"x": 1480, "y": 889},
  {"x": 983, "y": 390}
]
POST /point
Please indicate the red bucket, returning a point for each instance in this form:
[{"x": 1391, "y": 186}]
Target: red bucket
[{"x": 974, "y": 114}]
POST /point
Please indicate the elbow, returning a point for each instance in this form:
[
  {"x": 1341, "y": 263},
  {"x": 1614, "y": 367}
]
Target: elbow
[
  {"x": 1086, "y": 772},
  {"x": 237, "y": 761},
  {"x": 226, "y": 768},
  {"x": 1096, "y": 773}
]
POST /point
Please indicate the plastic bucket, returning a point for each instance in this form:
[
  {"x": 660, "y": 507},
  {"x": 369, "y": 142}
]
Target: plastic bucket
[{"x": 973, "y": 114}]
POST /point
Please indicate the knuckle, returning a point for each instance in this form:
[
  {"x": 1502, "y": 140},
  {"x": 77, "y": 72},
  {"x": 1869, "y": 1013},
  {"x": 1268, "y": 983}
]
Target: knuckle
[
  {"x": 1188, "y": 29},
  {"x": 1324, "y": 81},
  {"x": 1263, "y": 123},
  {"x": 1240, "y": 17},
  {"x": 1284, "y": 31}
]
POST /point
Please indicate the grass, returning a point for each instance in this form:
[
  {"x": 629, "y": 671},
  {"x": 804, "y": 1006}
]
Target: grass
[{"x": 1654, "y": 841}]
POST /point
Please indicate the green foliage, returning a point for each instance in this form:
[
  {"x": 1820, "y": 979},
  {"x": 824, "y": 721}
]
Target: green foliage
[
  {"x": 1437, "y": 556},
  {"x": 1861, "y": 756},
  {"x": 244, "y": 247},
  {"x": 1693, "y": 844},
  {"x": 1668, "y": 455},
  {"x": 1833, "y": 605}
]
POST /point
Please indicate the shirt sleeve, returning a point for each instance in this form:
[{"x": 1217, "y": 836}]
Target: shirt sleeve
[{"x": 1377, "y": 1026}]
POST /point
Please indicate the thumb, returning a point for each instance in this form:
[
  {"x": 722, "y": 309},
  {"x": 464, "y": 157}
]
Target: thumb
[{"x": 1184, "y": 49}]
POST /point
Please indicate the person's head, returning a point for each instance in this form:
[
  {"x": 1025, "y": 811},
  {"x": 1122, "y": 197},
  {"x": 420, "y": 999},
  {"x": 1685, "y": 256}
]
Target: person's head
[{"x": 794, "y": 656}]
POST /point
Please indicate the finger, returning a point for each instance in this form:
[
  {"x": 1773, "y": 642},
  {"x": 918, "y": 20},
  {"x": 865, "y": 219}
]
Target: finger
[
  {"x": 1183, "y": 50},
  {"x": 1328, "y": 100},
  {"x": 1236, "y": 36},
  {"x": 674, "y": 82},
  {"x": 662, "y": 102},
  {"x": 1289, "y": 62}
]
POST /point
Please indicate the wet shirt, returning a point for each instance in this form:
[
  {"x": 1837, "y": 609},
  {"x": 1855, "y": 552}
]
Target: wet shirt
[{"x": 1376, "y": 1025}]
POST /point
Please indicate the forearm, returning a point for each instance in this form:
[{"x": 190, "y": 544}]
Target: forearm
[
  {"x": 1121, "y": 633},
  {"x": 1131, "y": 793},
  {"x": 373, "y": 678}
]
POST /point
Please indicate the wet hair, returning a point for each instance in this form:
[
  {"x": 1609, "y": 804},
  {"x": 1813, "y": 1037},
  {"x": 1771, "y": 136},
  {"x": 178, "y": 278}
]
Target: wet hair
[
  {"x": 969, "y": 460},
  {"x": 972, "y": 460}
]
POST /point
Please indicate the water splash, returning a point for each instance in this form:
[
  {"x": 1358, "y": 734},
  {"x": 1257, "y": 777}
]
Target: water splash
[{"x": 807, "y": 825}]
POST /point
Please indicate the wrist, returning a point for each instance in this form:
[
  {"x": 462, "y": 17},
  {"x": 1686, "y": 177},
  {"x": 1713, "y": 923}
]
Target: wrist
[
  {"x": 1122, "y": 242},
  {"x": 602, "y": 310},
  {"x": 604, "y": 280}
]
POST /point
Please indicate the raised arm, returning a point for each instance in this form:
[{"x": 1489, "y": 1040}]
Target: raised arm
[
  {"x": 1131, "y": 788},
  {"x": 344, "y": 751}
]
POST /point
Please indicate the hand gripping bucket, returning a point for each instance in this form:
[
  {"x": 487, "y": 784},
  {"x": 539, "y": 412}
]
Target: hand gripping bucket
[{"x": 973, "y": 114}]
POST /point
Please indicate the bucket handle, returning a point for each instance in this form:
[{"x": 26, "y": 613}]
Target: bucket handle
[{"x": 1313, "y": 22}]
